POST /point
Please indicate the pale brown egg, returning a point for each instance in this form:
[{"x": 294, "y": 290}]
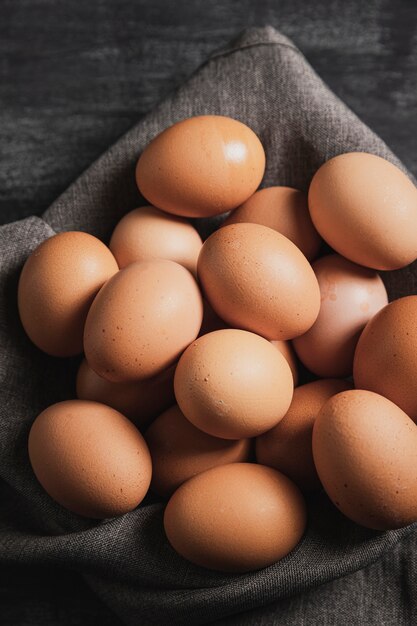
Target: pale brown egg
[
  {"x": 350, "y": 296},
  {"x": 365, "y": 451},
  {"x": 179, "y": 451},
  {"x": 233, "y": 384},
  {"x": 201, "y": 166},
  {"x": 57, "y": 285},
  {"x": 366, "y": 209},
  {"x": 284, "y": 209},
  {"x": 142, "y": 320},
  {"x": 288, "y": 447},
  {"x": 90, "y": 458},
  {"x": 386, "y": 355},
  {"x": 235, "y": 518},
  {"x": 258, "y": 280},
  {"x": 286, "y": 350},
  {"x": 140, "y": 400},
  {"x": 147, "y": 233}
]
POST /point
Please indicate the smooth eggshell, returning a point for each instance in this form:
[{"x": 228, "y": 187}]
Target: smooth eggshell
[
  {"x": 365, "y": 451},
  {"x": 233, "y": 384},
  {"x": 366, "y": 209},
  {"x": 235, "y": 518},
  {"x": 287, "y": 447},
  {"x": 142, "y": 320},
  {"x": 57, "y": 285},
  {"x": 140, "y": 400},
  {"x": 90, "y": 458},
  {"x": 147, "y": 233},
  {"x": 201, "y": 166},
  {"x": 258, "y": 280},
  {"x": 286, "y": 350},
  {"x": 350, "y": 296},
  {"x": 179, "y": 451},
  {"x": 386, "y": 355},
  {"x": 284, "y": 209}
]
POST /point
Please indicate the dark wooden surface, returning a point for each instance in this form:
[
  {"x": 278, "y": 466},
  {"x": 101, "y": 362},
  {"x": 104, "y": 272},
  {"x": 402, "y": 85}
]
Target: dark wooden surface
[{"x": 74, "y": 75}]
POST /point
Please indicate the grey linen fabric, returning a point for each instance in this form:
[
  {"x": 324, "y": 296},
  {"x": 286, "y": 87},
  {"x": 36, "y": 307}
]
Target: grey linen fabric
[{"x": 264, "y": 81}]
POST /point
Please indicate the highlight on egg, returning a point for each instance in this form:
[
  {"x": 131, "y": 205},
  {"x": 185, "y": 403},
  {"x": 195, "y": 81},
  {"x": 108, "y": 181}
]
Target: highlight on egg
[{"x": 201, "y": 166}]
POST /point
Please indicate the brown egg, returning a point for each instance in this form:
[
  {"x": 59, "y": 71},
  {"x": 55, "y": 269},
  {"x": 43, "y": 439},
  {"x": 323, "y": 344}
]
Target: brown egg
[
  {"x": 233, "y": 384},
  {"x": 286, "y": 350},
  {"x": 287, "y": 446},
  {"x": 142, "y": 320},
  {"x": 57, "y": 286},
  {"x": 245, "y": 269},
  {"x": 350, "y": 296},
  {"x": 386, "y": 355},
  {"x": 201, "y": 166},
  {"x": 235, "y": 518},
  {"x": 90, "y": 458},
  {"x": 284, "y": 209},
  {"x": 366, "y": 209},
  {"x": 140, "y": 400},
  {"x": 365, "y": 450},
  {"x": 147, "y": 233},
  {"x": 179, "y": 451}
]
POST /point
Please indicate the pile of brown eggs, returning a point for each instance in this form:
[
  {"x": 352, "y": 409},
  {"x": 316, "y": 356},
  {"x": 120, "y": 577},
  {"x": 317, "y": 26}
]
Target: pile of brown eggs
[{"x": 189, "y": 344}]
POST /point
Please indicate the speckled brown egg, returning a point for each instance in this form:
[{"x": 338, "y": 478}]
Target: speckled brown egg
[
  {"x": 57, "y": 285},
  {"x": 366, "y": 209},
  {"x": 90, "y": 458},
  {"x": 147, "y": 233},
  {"x": 201, "y": 166},
  {"x": 179, "y": 451},
  {"x": 365, "y": 451},
  {"x": 286, "y": 350},
  {"x": 235, "y": 518},
  {"x": 386, "y": 355},
  {"x": 233, "y": 384},
  {"x": 284, "y": 209},
  {"x": 140, "y": 400},
  {"x": 350, "y": 296},
  {"x": 287, "y": 447},
  {"x": 142, "y": 320},
  {"x": 245, "y": 270}
]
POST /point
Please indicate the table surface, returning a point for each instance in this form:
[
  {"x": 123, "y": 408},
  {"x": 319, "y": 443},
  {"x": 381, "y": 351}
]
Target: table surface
[{"x": 74, "y": 76}]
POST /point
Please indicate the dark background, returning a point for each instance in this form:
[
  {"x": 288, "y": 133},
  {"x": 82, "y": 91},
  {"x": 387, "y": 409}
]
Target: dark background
[{"x": 76, "y": 74}]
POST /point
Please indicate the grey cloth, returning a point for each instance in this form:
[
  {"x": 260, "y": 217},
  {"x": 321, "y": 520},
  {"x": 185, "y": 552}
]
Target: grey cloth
[{"x": 264, "y": 81}]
